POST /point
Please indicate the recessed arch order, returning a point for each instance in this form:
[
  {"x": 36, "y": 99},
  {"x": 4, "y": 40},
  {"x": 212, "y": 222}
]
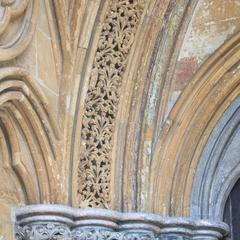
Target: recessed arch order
[{"x": 211, "y": 91}]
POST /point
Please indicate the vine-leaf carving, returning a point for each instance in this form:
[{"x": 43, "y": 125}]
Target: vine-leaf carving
[{"x": 116, "y": 39}]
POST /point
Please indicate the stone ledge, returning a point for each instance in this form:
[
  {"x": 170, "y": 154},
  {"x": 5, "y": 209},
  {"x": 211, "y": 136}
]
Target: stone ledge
[{"x": 61, "y": 222}]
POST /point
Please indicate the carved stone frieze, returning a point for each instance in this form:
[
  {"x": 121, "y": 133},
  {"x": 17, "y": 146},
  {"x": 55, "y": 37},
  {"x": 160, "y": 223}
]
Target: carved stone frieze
[
  {"x": 48, "y": 222},
  {"x": 116, "y": 39},
  {"x": 17, "y": 23},
  {"x": 43, "y": 231},
  {"x": 104, "y": 234}
]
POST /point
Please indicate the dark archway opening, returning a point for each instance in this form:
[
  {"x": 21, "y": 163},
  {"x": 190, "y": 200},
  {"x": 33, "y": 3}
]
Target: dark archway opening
[{"x": 232, "y": 212}]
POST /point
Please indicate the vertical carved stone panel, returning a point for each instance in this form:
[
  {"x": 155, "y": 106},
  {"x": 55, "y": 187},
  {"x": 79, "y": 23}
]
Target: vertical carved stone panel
[{"x": 116, "y": 39}]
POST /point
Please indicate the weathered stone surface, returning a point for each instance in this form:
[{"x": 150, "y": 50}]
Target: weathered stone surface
[
  {"x": 58, "y": 222},
  {"x": 212, "y": 24},
  {"x": 117, "y": 104},
  {"x": 18, "y": 21}
]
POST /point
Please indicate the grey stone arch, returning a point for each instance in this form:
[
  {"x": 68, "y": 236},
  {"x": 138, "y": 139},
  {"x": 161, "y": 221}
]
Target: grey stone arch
[{"x": 219, "y": 167}]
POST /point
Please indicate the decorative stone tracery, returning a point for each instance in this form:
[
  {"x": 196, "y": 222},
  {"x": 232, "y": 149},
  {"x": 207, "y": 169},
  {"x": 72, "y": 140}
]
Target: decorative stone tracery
[{"x": 116, "y": 39}]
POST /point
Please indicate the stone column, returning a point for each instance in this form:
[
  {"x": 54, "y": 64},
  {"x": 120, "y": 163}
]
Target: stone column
[{"x": 54, "y": 222}]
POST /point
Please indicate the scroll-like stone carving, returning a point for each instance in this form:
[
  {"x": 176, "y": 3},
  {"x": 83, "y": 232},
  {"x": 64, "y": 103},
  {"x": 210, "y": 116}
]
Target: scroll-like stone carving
[
  {"x": 43, "y": 231},
  {"x": 103, "y": 234},
  {"x": 17, "y": 24},
  {"x": 102, "y": 99},
  {"x": 19, "y": 233}
]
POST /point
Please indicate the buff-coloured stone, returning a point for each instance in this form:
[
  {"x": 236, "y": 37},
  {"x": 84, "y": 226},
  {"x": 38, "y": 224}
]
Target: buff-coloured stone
[
  {"x": 92, "y": 9},
  {"x": 45, "y": 61},
  {"x": 43, "y": 22},
  {"x": 110, "y": 103}
]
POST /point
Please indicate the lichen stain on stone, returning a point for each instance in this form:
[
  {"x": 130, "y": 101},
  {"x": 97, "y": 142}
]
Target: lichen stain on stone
[{"x": 152, "y": 106}]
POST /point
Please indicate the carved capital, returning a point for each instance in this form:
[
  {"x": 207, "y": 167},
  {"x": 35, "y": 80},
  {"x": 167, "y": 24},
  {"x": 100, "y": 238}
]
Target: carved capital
[
  {"x": 54, "y": 222},
  {"x": 43, "y": 231},
  {"x": 105, "y": 234}
]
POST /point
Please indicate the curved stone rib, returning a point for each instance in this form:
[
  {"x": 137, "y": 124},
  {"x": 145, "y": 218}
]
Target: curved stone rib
[
  {"x": 19, "y": 41},
  {"x": 24, "y": 117}
]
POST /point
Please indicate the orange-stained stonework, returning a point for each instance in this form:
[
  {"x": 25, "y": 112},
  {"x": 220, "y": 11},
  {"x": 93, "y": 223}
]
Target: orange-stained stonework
[{"x": 113, "y": 104}]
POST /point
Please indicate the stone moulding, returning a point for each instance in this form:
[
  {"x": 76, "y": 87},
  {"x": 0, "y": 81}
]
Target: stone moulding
[
  {"x": 29, "y": 137},
  {"x": 188, "y": 127},
  {"x": 19, "y": 41},
  {"x": 61, "y": 222}
]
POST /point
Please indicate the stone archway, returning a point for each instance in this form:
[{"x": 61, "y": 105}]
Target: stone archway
[
  {"x": 218, "y": 168},
  {"x": 215, "y": 86},
  {"x": 28, "y": 146}
]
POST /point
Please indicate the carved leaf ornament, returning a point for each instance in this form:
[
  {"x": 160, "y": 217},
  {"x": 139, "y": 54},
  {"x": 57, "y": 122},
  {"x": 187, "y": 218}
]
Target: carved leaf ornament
[{"x": 116, "y": 39}]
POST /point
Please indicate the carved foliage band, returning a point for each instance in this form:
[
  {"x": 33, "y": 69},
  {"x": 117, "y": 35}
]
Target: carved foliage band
[
  {"x": 43, "y": 231},
  {"x": 56, "y": 231},
  {"x": 116, "y": 38},
  {"x": 48, "y": 222},
  {"x": 104, "y": 234}
]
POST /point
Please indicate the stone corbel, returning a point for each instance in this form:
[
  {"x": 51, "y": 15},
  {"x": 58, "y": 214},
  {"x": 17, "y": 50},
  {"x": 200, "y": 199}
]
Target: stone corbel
[{"x": 54, "y": 222}]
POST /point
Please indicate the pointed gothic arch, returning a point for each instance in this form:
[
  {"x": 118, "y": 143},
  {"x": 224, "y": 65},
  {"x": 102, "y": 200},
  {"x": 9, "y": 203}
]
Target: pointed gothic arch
[
  {"x": 29, "y": 137},
  {"x": 215, "y": 86},
  {"x": 219, "y": 167}
]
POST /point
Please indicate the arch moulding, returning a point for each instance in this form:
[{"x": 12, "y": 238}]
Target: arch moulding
[{"x": 190, "y": 123}]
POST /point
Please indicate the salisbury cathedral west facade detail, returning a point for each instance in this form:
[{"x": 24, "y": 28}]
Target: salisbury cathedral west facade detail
[{"x": 119, "y": 119}]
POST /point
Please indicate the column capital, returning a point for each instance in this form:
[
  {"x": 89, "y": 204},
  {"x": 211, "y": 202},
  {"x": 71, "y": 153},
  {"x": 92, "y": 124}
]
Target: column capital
[{"x": 54, "y": 222}]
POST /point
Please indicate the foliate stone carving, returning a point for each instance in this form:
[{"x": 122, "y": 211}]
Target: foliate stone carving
[
  {"x": 43, "y": 231},
  {"x": 19, "y": 233},
  {"x": 53, "y": 231},
  {"x": 17, "y": 24},
  {"x": 104, "y": 234},
  {"x": 91, "y": 234},
  {"x": 116, "y": 39},
  {"x": 48, "y": 222}
]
